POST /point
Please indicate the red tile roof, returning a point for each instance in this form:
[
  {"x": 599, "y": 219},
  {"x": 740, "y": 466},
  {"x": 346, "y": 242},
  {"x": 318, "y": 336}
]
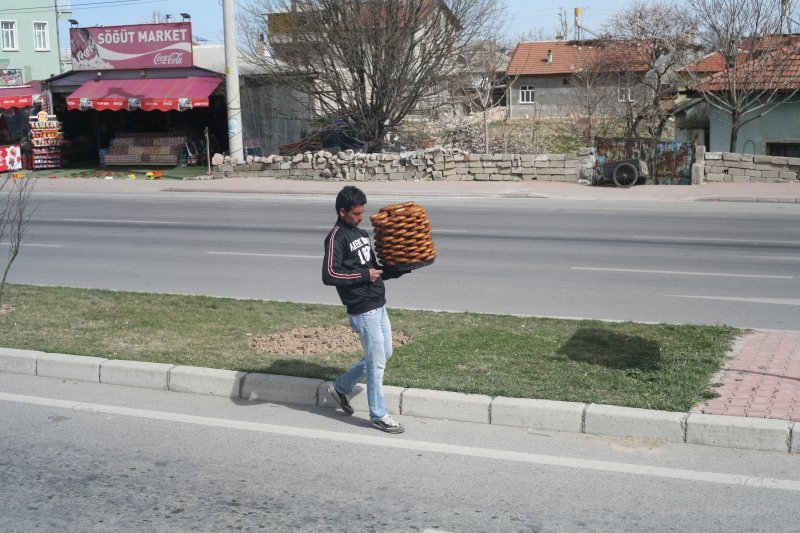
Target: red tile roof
[
  {"x": 531, "y": 58},
  {"x": 710, "y": 63},
  {"x": 779, "y": 69}
]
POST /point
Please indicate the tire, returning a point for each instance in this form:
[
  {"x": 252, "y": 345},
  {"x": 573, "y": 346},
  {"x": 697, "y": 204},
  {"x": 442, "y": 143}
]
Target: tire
[{"x": 625, "y": 175}]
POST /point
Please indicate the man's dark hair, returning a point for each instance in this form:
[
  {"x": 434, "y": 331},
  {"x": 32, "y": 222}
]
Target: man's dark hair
[{"x": 348, "y": 197}]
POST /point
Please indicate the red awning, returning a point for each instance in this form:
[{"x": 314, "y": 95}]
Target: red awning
[
  {"x": 21, "y": 96},
  {"x": 166, "y": 94}
]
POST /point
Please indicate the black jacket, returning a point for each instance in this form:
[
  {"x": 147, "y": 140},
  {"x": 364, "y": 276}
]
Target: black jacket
[{"x": 348, "y": 257}]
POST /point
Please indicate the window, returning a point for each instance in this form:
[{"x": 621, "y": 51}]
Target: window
[
  {"x": 8, "y": 34},
  {"x": 527, "y": 94},
  {"x": 41, "y": 40},
  {"x": 784, "y": 149},
  {"x": 624, "y": 94}
]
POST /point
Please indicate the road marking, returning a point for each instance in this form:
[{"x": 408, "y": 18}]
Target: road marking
[
  {"x": 770, "y": 257},
  {"x": 680, "y": 273},
  {"x": 416, "y": 445},
  {"x": 712, "y": 239},
  {"x": 288, "y": 256},
  {"x": 36, "y": 245},
  {"x": 113, "y": 221},
  {"x": 773, "y": 301}
]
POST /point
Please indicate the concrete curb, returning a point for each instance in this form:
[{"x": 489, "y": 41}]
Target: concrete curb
[{"x": 692, "y": 428}]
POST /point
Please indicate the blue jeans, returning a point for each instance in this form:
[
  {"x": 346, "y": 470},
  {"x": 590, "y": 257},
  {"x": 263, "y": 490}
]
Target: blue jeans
[{"x": 375, "y": 332}]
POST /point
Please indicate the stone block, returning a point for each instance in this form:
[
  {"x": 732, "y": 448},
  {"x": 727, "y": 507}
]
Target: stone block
[
  {"x": 738, "y": 432},
  {"x": 713, "y": 155},
  {"x": 64, "y": 366},
  {"x": 728, "y": 156},
  {"x": 211, "y": 381},
  {"x": 446, "y": 405},
  {"x": 538, "y": 414},
  {"x": 787, "y": 175},
  {"x": 782, "y": 161},
  {"x": 698, "y": 171},
  {"x": 280, "y": 389},
  {"x": 628, "y": 421},
  {"x": 762, "y": 159},
  {"x": 542, "y": 164},
  {"x": 136, "y": 374},
  {"x": 18, "y": 361}
]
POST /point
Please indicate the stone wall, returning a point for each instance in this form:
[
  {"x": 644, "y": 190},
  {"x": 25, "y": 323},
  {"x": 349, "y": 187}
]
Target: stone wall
[
  {"x": 422, "y": 165},
  {"x": 731, "y": 167}
]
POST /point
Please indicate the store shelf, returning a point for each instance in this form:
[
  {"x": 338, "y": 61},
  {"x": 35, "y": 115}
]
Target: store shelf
[{"x": 46, "y": 138}]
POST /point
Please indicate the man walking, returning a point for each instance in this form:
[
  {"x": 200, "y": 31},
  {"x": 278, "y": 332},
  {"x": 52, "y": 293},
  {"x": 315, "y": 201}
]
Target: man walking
[{"x": 350, "y": 265}]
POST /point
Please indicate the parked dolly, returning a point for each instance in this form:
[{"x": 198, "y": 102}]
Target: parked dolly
[{"x": 623, "y": 173}]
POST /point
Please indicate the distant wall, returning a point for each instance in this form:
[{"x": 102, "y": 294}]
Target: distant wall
[
  {"x": 730, "y": 167},
  {"x": 425, "y": 165}
]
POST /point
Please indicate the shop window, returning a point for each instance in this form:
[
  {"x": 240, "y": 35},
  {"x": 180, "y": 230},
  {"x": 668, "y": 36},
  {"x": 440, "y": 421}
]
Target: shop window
[
  {"x": 8, "y": 34},
  {"x": 41, "y": 39},
  {"x": 527, "y": 94}
]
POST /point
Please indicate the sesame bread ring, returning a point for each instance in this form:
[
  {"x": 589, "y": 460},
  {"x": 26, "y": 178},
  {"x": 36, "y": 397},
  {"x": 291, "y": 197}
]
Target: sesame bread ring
[
  {"x": 379, "y": 216},
  {"x": 392, "y": 207}
]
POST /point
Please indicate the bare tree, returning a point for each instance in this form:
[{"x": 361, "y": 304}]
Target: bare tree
[
  {"x": 14, "y": 217},
  {"x": 759, "y": 63},
  {"x": 589, "y": 111},
  {"x": 655, "y": 41},
  {"x": 371, "y": 62},
  {"x": 481, "y": 83}
]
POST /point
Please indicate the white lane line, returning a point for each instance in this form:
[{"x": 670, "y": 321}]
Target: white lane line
[
  {"x": 416, "y": 445},
  {"x": 769, "y": 257},
  {"x": 772, "y": 301},
  {"x": 680, "y": 273},
  {"x": 114, "y": 221},
  {"x": 288, "y": 256},
  {"x": 711, "y": 239},
  {"x": 37, "y": 245}
]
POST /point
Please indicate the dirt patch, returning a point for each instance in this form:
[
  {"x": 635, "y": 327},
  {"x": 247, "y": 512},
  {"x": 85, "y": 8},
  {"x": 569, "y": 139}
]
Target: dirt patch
[
  {"x": 6, "y": 309},
  {"x": 316, "y": 341}
]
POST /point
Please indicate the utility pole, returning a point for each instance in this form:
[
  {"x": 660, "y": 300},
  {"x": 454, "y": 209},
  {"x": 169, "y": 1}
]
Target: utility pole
[{"x": 235, "y": 145}]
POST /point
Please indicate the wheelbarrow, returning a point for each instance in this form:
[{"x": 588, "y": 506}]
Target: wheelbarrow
[{"x": 623, "y": 173}]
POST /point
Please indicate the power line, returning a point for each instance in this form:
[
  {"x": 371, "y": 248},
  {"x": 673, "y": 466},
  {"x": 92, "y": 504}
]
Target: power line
[{"x": 84, "y": 6}]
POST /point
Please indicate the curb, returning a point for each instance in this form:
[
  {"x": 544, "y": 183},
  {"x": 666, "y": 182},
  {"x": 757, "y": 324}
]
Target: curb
[{"x": 547, "y": 415}]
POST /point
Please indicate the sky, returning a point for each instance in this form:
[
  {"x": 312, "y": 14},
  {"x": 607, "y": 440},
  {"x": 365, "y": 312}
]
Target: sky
[{"x": 206, "y": 15}]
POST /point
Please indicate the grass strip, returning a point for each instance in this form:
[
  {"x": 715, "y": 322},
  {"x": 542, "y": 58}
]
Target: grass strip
[{"x": 659, "y": 366}]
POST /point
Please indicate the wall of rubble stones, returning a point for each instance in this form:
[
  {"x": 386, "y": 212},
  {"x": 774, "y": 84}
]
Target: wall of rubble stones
[
  {"x": 421, "y": 165},
  {"x": 731, "y": 167}
]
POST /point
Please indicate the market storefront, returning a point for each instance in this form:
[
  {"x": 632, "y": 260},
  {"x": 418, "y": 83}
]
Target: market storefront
[
  {"x": 135, "y": 98},
  {"x": 20, "y": 108}
]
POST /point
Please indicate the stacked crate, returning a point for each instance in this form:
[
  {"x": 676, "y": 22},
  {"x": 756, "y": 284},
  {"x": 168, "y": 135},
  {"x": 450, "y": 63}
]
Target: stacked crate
[{"x": 145, "y": 149}]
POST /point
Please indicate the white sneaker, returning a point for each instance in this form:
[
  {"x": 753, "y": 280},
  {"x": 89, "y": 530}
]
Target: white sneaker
[{"x": 388, "y": 424}]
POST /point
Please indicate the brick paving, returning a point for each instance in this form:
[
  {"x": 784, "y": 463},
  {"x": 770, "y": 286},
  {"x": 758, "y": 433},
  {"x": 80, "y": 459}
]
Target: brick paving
[{"x": 760, "y": 378}]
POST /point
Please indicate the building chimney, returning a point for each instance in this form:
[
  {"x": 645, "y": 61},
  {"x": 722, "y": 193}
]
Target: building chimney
[{"x": 549, "y": 57}]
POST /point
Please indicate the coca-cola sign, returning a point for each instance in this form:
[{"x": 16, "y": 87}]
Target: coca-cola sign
[{"x": 131, "y": 47}]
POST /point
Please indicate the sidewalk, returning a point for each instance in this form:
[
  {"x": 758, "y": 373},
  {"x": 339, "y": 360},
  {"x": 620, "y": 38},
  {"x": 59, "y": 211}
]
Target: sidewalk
[
  {"x": 760, "y": 378},
  {"x": 741, "y": 192}
]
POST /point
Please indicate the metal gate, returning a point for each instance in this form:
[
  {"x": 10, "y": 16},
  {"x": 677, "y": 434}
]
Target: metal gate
[{"x": 669, "y": 162}]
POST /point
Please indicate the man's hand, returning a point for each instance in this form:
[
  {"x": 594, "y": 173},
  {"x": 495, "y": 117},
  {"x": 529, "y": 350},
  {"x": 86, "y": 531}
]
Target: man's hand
[{"x": 374, "y": 274}]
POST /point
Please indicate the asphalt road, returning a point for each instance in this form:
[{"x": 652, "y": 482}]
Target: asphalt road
[
  {"x": 88, "y": 457},
  {"x": 689, "y": 262}
]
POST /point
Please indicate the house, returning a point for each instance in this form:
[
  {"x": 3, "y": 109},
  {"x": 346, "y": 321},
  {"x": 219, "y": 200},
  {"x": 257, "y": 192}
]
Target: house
[
  {"x": 541, "y": 74},
  {"x": 691, "y": 114},
  {"x": 29, "y": 39},
  {"x": 275, "y": 113},
  {"x": 774, "y": 128}
]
